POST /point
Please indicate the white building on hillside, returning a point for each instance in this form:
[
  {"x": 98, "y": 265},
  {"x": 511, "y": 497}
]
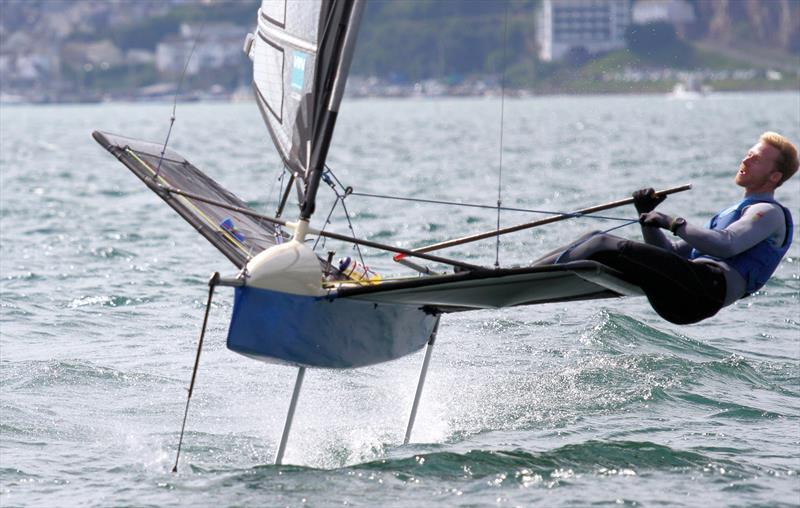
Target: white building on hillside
[
  {"x": 594, "y": 25},
  {"x": 677, "y": 12},
  {"x": 216, "y": 45}
]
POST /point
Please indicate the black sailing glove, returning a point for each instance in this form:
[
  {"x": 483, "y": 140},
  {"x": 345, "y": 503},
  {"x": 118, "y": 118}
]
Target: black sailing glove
[
  {"x": 645, "y": 200},
  {"x": 655, "y": 220}
]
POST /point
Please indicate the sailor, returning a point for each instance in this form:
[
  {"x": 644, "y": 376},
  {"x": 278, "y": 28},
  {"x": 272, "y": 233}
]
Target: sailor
[{"x": 704, "y": 269}]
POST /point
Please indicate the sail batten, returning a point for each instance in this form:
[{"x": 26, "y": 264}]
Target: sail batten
[{"x": 267, "y": 32}]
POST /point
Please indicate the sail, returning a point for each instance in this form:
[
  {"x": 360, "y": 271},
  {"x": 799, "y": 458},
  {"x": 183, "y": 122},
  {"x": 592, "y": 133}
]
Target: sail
[{"x": 301, "y": 53}]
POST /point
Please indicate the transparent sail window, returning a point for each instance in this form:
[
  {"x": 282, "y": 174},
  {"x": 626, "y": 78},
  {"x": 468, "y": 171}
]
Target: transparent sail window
[{"x": 268, "y": 72}]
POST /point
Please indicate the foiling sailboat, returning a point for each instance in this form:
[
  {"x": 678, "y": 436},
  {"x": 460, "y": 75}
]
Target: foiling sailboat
[{"x": 292, "y": 306}]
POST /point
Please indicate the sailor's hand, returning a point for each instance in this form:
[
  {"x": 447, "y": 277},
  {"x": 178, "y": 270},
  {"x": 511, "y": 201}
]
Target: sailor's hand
[
  {"x": 655, "y": 220},
  {"x": 646, "y": 200}
]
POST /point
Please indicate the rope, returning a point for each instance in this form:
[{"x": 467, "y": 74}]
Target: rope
[
  {"x": 502, "y": 124},
  {"x": 175, "y": 99},
  {"x": 491, "y": 207},
  {"x": 330, "y": 178}
]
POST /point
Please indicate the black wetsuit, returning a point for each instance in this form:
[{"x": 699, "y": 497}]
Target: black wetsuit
[
  {"x": 679, "y": 290},
  {"x": 686, "y": 286}
]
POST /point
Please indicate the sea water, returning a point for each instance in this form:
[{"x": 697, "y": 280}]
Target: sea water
[{"x": 566, "y": 404}]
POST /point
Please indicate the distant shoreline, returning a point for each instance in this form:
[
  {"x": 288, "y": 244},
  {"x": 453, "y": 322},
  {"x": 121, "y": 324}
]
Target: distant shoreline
[{"x": 10, "y": 100}]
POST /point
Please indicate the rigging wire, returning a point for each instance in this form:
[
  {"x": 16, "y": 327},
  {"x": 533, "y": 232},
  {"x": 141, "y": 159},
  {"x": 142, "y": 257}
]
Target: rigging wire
[
  {"x": 330, "y": 178},
  {"x": 279, "y": 181},
  {"x": 492, "y": 207},
  {"x": 278, "y": 229},
  {"x": 175, "y": 99},
  {"x": 325, "y": 225},
  {"x": 353, "y": 231},
  {"x": 502, "y": 115}
]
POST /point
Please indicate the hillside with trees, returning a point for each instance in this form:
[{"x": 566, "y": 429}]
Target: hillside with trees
[{"x": 87, "y": 50}]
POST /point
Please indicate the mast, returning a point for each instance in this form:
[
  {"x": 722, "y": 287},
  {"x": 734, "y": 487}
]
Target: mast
[{"x": 341, "y": 40}]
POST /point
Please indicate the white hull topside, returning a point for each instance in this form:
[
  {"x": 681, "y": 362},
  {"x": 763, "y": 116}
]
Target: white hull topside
[{"x": 290, "y": 267}]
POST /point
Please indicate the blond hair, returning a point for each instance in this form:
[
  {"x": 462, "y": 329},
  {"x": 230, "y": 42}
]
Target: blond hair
[{"x": 786, "y": 162}]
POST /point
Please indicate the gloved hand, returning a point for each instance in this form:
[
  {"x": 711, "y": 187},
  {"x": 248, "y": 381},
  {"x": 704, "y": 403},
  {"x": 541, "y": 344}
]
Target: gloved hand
[
  {"x": 645, "y": 200},
  {"x": 655, "y": 220}
]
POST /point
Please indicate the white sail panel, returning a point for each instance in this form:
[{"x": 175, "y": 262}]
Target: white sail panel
[
  {"x": 284, "y": 64},
  {"x": 275, "y": 11},
  {"x": 270, "y": 85}
]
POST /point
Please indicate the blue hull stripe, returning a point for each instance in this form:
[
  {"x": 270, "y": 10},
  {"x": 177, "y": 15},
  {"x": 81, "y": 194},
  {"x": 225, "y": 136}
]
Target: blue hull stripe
[{"x": 317, "y": 332}]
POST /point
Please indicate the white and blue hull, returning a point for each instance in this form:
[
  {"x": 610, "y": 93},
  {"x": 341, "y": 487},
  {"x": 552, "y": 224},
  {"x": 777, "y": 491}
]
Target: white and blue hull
[{"x": 315, "y": 331}]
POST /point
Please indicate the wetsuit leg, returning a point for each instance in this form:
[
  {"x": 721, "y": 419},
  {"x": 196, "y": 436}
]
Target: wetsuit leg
[
  {"x": 679, "y": 290},
  {"x": 563, "y": 253}
]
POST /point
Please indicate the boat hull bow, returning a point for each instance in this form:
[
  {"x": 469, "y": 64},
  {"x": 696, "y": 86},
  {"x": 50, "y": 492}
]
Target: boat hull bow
[{"x": 311, "y": 331}]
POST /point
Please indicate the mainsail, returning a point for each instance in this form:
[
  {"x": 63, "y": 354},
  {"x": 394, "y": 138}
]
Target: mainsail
[{"x": 301, "y": 54}]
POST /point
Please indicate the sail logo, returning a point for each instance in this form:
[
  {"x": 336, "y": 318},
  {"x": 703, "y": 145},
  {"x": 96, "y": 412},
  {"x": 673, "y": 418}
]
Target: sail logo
[{"x": 299, "y": 69}]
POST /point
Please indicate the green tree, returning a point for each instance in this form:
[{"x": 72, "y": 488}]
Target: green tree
[{"x": 658, "y": 42}]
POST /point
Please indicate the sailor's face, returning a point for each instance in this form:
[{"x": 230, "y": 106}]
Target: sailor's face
[{"x": 757, "y": 169}]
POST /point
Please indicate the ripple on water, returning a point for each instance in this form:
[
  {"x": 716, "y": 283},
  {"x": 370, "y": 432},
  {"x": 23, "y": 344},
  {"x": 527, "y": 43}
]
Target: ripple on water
[
  {"x": 622, "y": 333},
  {"x": 110, "y": 252},
  {"x": 103, "y": 288},
  {"x": 108, "y": 301},
  {"x": 589, "y": 457},
  {"x": 29, "y": 375}
]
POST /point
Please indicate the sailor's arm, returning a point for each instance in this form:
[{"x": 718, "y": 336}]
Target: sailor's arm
[
  {"x": 645, "y": 201},
  {"x": 656, "y": 237},
  {"x": 758, "y": 222}
]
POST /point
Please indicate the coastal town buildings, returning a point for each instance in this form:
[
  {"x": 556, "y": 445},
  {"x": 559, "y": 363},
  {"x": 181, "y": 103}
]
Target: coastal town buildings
[
  {"x": 216, "y": 45},
  {"x": 590, "y": 26},
  {"x": 677, "y": 12},
  {"x": 88, "y": 50}
]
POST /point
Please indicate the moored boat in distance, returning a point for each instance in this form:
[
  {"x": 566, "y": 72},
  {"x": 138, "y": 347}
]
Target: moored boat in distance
[{"x": 689, "y": 90}]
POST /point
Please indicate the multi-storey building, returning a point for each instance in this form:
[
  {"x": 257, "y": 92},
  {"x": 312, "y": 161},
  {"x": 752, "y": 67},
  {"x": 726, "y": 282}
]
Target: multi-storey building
[
  {"x": 677, "y": 12},
  {"x": 594, "y": 25},
  {"x": 215, "y": 45}
]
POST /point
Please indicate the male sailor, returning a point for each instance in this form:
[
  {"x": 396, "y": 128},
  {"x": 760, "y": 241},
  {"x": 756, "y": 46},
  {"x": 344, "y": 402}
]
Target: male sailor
[{"x": 704, "y": 269}]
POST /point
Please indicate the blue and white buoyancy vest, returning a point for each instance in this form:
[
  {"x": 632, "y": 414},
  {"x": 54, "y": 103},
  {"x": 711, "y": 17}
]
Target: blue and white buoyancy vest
[{"x": 757, "y": 264}]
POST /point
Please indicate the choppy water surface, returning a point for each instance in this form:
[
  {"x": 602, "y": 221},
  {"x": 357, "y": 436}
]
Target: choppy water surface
[{"x": 593, "y": 403}]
